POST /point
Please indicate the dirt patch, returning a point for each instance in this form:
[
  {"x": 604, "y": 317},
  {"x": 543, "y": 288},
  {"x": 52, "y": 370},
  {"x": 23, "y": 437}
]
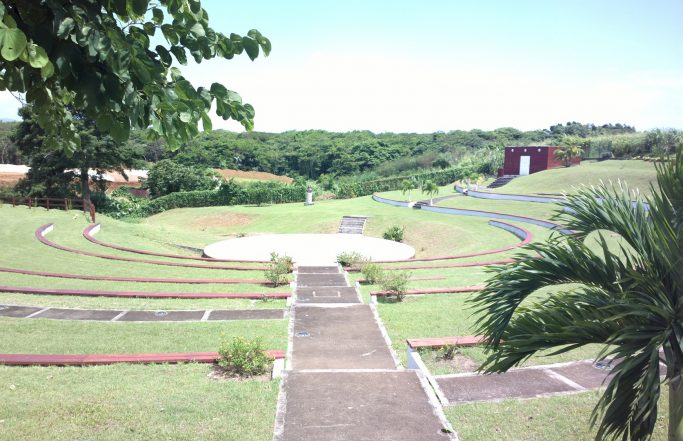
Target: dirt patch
[
  {"x": 254, "y": 175},
  {"x": 223, "y": 220},
  {"x": 458, "y": 364},
  {"x": 10, "y": 179},
  {"x": 217, "y": 373}
]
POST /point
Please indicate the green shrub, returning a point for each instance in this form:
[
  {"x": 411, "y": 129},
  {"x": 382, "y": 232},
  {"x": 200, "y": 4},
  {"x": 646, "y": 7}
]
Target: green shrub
[
  {"x": 395, "y": 233},
  {"x": 278, "y": 268},
  {"x": 395, "y": 283},
  {"x": 243, "y": 357},
  {"x": 372, "y": 273},
  {"x": 349, "y": 258},
  {"x": 448, "y": 352}
]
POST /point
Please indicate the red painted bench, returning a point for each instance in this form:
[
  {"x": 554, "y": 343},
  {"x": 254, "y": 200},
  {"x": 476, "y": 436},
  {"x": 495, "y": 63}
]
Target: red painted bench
[
  {"x": 94, "y": 359},
  {"x": 431, "y": 291},
  {"x": 438, "y": 342}
]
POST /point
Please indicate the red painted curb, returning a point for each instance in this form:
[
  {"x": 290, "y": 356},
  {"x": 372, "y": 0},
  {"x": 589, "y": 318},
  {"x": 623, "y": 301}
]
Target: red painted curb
[
  {"x": 132, "y": 279},
  {"x": 453, "y": 265},
  {"x": 438, "y": 342},
  {"x": 529, "y": 237},
  {"x": 414, "y": 279},
  {"x": 95, "y": 359},
  {"x": 142, "y": 294},
  {"x": 40, "y": 236},
  {"x": 431, "y": 291},
  {"x": 87, "y": 234}
]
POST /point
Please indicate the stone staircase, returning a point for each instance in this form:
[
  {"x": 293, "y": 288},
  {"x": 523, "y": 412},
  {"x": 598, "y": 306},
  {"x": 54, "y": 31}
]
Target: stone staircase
[
  {"x": 352, "y": 224},
  {"x": 503, "y": 180}
]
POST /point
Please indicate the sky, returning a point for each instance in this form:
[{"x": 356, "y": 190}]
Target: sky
[{"x": 426, "y": 66}]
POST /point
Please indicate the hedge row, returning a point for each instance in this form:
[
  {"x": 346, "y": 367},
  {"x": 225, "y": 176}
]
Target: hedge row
[{"x": 364, "y": 188}]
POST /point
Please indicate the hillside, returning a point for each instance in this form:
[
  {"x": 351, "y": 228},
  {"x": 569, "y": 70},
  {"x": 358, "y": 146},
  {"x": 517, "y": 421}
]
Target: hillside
[{"x": 638, "y": 174}]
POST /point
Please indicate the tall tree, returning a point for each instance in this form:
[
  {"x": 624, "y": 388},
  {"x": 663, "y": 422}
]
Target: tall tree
[
  {"x": 628, "y": 298},
  {"x": 96, "y": 56},
  {"x": 54, "y": 172}
]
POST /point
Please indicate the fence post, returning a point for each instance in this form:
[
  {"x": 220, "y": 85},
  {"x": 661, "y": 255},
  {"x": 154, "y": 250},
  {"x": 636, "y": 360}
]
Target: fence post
[{"x": 47, "y": 203}]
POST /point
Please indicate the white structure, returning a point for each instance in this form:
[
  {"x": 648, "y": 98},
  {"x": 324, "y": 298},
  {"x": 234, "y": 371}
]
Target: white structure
[{"x": 309, "y": 249}]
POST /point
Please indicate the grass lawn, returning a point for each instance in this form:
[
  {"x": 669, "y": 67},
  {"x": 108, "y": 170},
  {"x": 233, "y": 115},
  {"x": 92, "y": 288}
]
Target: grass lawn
[
  {"x": 178, "y": 402},
  {"x": 540, "y": 419},
  {"x": 638, "y": 174},
  {"x": 529, "y": 209},
  {"x": 44, "y": 336},
  {"x": 431, "y": 234},
  {"x": 134, "y": 303}
]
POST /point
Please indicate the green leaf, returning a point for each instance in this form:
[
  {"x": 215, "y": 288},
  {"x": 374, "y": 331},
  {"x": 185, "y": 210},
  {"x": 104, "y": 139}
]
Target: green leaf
[
  {"x": 206, "y": 122},
  {"x": 164, "y": 55},
  {"x": 198, "y": 30},
  {"x": 13, "y": 43},
  {"x": 251, "y": 47},
  {"x": 47, "y": 71},
  {"x": 38, "y": 57},
  {"x": 65, "y": 27},
  {"x": 179, "y": 53},
  {"x": 157, "y": 16},
  {"x": 138, "y": 7},
  {"x": 185, "y": 117}
]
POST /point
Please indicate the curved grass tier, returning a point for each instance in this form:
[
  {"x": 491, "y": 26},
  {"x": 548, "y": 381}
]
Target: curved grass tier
[
  {"x": 92, "y": 229},
  {"x": 134, "y": 279},
  {"x": 47, "y": 228}
]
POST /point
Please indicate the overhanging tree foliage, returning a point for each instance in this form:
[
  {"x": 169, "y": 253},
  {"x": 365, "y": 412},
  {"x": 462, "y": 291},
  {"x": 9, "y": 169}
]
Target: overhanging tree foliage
[
  {"x": 96, "y": 56},
  {"x": 629, "y": 298}
]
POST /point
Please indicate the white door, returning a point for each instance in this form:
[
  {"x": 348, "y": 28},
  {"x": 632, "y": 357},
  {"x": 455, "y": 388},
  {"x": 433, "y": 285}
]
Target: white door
[{"x": 524, "y": 162}]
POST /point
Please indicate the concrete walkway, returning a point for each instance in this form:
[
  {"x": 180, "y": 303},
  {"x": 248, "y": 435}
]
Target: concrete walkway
[
  {"x": 342, "y": 380},
  {"x": 121, "y": 315}
]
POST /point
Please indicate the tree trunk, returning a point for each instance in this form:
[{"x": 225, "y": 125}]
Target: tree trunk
[
  {"x": 675, "y": 404},
  {"x": 85, "y": 185}
]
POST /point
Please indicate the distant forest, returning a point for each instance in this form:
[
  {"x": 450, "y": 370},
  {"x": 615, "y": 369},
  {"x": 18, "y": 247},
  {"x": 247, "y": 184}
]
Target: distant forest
[{"x": 314, "y": 153}]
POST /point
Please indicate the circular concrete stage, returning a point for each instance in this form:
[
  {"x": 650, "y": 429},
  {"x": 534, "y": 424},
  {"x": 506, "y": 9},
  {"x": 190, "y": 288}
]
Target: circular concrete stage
[{"x": 309, "y": 249}]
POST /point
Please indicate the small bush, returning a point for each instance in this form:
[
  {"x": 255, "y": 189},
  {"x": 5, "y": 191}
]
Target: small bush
[
  {"x": 395, "y": 233},
  {"x": 278, "y": 268},
  {"x": 395, "y": 283},
  {"x": 448, "y": 352},
  {"x": 372, "y": 273},
  {"x": 243, "y": 357},
  {"x": 349, "y": 258}
]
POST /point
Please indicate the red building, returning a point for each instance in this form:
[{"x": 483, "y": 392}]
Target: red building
[{"x": 525, "y": 160}]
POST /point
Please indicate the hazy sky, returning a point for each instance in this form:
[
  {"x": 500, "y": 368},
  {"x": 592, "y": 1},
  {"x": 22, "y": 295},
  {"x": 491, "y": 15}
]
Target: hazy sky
[{"x": 423, "y": 66}]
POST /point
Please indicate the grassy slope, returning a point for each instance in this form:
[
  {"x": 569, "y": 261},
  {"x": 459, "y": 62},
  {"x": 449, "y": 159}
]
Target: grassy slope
[
  {"x": 542, "y": 419},
  {"x": 638, "y": 174},
  {"x": 36, "y": 336},
  {"x": 116, "y": 402}
]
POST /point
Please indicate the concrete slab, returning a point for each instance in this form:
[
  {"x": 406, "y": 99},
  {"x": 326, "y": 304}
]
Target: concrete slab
[
  {"x": 161, "y": 316},
  {"x": 321, "y": 280},
  {"x": 309, "y": 249},
  {"x": 338, "y": 338},
  {"x": 584, "y": 374},
  {"x": 358, "y": 406},
  {"x": 17, "y": 311},
  {"x": 78, "y": 314},
  {"x": 523, "y": 383},
  {"x": 247, "y": 314},
  {"x": 318, "y": 270},
  {"x": 327, "y": 295}
]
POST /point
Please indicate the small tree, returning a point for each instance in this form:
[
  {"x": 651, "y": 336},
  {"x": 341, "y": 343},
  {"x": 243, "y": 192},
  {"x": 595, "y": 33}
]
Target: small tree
[
  {"x": 430, "y": 188},
  {"x": 278, "y": 269},
  {"x": 571, "y": 147},
  {"x": 407, "y": 185},
  {"x": 396, "y": 283}
]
